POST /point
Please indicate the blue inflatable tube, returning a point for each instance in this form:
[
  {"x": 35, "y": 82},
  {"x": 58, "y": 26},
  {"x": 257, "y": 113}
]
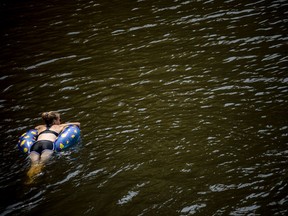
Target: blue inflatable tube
[{"x": 68, "y": 137}]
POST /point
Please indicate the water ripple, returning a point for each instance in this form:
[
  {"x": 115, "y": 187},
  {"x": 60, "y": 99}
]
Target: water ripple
[{"x": 180, "y": 104}]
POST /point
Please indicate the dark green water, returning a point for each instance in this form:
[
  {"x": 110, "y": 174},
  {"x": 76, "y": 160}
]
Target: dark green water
[{"x": 182, "y": 104}]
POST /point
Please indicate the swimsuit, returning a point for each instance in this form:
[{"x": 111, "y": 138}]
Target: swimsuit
[
  {"x": 42, "y": 145},
  {"x": 49, "y": 131}
]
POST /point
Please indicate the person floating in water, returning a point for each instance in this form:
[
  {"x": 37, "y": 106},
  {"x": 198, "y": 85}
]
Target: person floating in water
[{"x": 43, "y": 148}]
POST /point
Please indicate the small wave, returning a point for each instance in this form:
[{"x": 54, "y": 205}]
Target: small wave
[{"x": 48, "y": 62}]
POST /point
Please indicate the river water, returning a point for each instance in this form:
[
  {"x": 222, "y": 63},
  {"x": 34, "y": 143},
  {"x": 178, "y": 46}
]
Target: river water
[{"x": 182, "y": 104}]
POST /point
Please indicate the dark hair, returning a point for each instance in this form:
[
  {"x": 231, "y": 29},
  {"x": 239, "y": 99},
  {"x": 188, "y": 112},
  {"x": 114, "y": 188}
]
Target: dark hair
[{"x": 49, "y": 117}]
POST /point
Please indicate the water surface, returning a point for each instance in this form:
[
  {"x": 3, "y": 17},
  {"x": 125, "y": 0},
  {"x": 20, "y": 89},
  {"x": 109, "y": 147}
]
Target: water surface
[{"x": 182, "y": 106}]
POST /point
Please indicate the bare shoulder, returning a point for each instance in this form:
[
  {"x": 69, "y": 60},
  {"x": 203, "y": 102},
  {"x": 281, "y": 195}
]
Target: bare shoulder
[{"x": 57, "y": 128}]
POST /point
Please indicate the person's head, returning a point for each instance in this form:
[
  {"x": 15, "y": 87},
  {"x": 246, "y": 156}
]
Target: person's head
[{"x": 51, "y": 118}]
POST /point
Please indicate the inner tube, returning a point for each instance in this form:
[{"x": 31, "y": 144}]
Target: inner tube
[{"x": 68, "y": 137}]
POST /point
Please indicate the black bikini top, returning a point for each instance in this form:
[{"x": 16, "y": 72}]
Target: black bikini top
[{"x": 49, "y": 131}]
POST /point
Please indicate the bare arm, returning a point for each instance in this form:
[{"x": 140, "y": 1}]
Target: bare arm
[{"x": 70, "y": 123}]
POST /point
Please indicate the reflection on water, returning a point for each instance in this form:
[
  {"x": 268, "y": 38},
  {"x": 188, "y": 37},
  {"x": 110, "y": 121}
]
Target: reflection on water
[{"x": 182, "y": 106}]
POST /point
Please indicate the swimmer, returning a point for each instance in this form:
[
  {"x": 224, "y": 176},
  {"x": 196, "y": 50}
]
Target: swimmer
[{"x": 43, "y": 148}]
